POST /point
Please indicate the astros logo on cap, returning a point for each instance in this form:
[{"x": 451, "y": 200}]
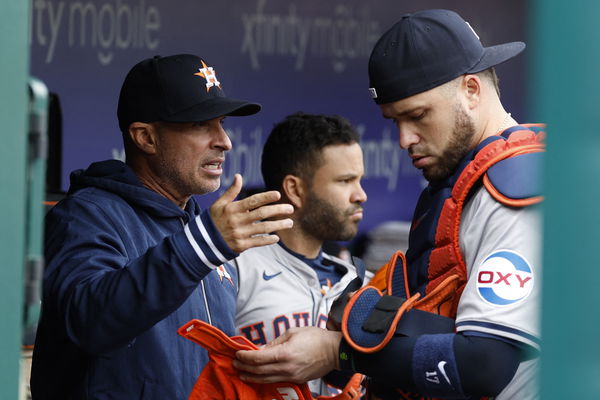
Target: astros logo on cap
[
  {"x": 209, "y": 74},
  {"x": 504, "y": 277}
]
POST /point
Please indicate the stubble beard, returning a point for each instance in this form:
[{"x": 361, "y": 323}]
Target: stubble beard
[
  {"x": 187, "y": 185},
  {"x": 459, "y": 145},
  {"x": 321, "y": 220}
]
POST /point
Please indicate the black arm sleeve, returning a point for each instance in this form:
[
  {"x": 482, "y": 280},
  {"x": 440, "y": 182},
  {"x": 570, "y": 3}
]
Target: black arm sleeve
[
  {"x": 485, "y": 365},
  {"x": 393, "y": 364}
]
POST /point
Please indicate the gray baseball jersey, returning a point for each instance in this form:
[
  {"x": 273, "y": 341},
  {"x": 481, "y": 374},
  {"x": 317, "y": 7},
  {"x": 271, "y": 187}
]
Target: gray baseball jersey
[
  {"x": 278, "y": 291},
  {"x": 501, "y": 246}
]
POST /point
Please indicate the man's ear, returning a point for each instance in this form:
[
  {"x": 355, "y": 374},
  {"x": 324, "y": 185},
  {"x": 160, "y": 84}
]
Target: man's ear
[
  {"x": 294, "y": 189},
  {"x": 144, "y": 137},
  {"x": 471, "y": 87}
]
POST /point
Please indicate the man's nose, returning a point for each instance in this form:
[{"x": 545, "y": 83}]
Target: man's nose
[
  {"x": 221, "y": 139},
  {"x": 407, "y": 135},
  {"x": 359, "y": 196}
]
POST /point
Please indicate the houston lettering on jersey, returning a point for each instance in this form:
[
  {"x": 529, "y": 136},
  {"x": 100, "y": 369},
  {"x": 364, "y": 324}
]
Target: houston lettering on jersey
[{"x": 256, "y": 332}]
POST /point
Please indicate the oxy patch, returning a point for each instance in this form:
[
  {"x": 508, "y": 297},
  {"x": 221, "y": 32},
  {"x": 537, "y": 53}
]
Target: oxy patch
[{"x": 505, "y": 277}]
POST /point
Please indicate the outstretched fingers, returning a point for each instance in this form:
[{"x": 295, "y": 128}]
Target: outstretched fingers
[
  {"x": 231, "y": 193},
  {"x": 250, "y": 222}
]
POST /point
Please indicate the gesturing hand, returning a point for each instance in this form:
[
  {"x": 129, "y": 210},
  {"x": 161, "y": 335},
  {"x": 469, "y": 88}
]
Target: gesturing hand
[{"x": 248, "y": 223}]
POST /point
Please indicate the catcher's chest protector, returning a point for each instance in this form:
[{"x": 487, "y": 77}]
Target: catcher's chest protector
[
  {"x": 506, "y": 166},
  {"x": 421, "y": 295}
]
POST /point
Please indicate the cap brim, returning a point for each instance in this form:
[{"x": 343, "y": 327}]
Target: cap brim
[
  {"x": 214, "y": 108},
  {"x": 495, "y": 55}
]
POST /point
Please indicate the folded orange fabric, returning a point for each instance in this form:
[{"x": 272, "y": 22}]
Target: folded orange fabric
[{"x": 220, "y": 381}]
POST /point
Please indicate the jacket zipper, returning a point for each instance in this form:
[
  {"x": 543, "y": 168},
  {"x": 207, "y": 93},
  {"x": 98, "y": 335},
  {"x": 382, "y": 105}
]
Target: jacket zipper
[{"x": 206, "y": 302}]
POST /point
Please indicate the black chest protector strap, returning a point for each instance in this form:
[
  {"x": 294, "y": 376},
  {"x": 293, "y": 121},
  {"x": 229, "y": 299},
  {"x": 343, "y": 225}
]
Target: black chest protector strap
[{"x": 413, "y": 322}]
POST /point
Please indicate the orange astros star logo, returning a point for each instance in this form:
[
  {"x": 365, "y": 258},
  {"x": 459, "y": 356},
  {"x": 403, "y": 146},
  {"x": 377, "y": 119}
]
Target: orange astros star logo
[
  {"x": 209, "y": 74},
  {"x": 222, "y": 272}
]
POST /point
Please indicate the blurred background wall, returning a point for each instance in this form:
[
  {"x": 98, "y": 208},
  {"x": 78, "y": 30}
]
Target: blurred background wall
[
  {"x": 306, "y": 56},
  {"x": 288, "y": 55}
]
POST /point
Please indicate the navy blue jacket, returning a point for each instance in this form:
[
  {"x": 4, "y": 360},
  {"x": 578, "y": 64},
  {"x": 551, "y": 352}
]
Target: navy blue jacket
[{"x": 125, "y": 268}]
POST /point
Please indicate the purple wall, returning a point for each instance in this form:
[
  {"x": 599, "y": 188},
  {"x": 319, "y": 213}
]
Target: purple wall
[{"x": 289, "y": 56}]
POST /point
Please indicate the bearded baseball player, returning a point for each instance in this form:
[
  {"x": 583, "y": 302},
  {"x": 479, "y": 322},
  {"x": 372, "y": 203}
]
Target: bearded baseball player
[
  {"x": 474, "y": 248},
  {"x": 316, "y": 163}
]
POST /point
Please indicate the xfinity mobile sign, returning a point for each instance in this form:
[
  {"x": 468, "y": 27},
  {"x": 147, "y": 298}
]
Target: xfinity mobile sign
[{"x": 290, "y": 56}]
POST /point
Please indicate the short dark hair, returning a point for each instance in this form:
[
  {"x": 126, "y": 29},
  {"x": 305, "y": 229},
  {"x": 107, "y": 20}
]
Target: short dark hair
[
  {"x": 492, "y": 77},
  {"x": 295, "y": 144}
]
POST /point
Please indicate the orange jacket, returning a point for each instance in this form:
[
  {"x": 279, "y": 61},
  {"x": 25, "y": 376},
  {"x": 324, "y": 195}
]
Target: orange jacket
[{"x": 219, "y": 380}]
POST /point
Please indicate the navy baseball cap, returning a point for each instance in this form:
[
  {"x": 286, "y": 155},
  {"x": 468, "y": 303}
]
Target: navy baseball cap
[
  {"x": 427, "y": 49},
  {"x": 179, "y": 88}
]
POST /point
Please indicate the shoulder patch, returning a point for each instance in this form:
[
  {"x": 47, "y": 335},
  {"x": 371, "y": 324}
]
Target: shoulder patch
[
  {"x": 516, "y": 181},
  {"x": 505, "y": 277}
]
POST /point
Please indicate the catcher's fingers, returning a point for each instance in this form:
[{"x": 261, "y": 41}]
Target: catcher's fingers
[
  {"x": 303, "y": 354},
  {"x": 263, "y": 366},
  {"x": 272, "y": 352},
  {"x": 251, "y": 377},
  {"x": 287, "y": 335}
]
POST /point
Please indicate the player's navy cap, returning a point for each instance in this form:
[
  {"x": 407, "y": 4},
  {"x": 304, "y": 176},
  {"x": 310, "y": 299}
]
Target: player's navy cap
[
  {"x": 426, "y": 49},
  {"x": 179, "y": 88}
]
